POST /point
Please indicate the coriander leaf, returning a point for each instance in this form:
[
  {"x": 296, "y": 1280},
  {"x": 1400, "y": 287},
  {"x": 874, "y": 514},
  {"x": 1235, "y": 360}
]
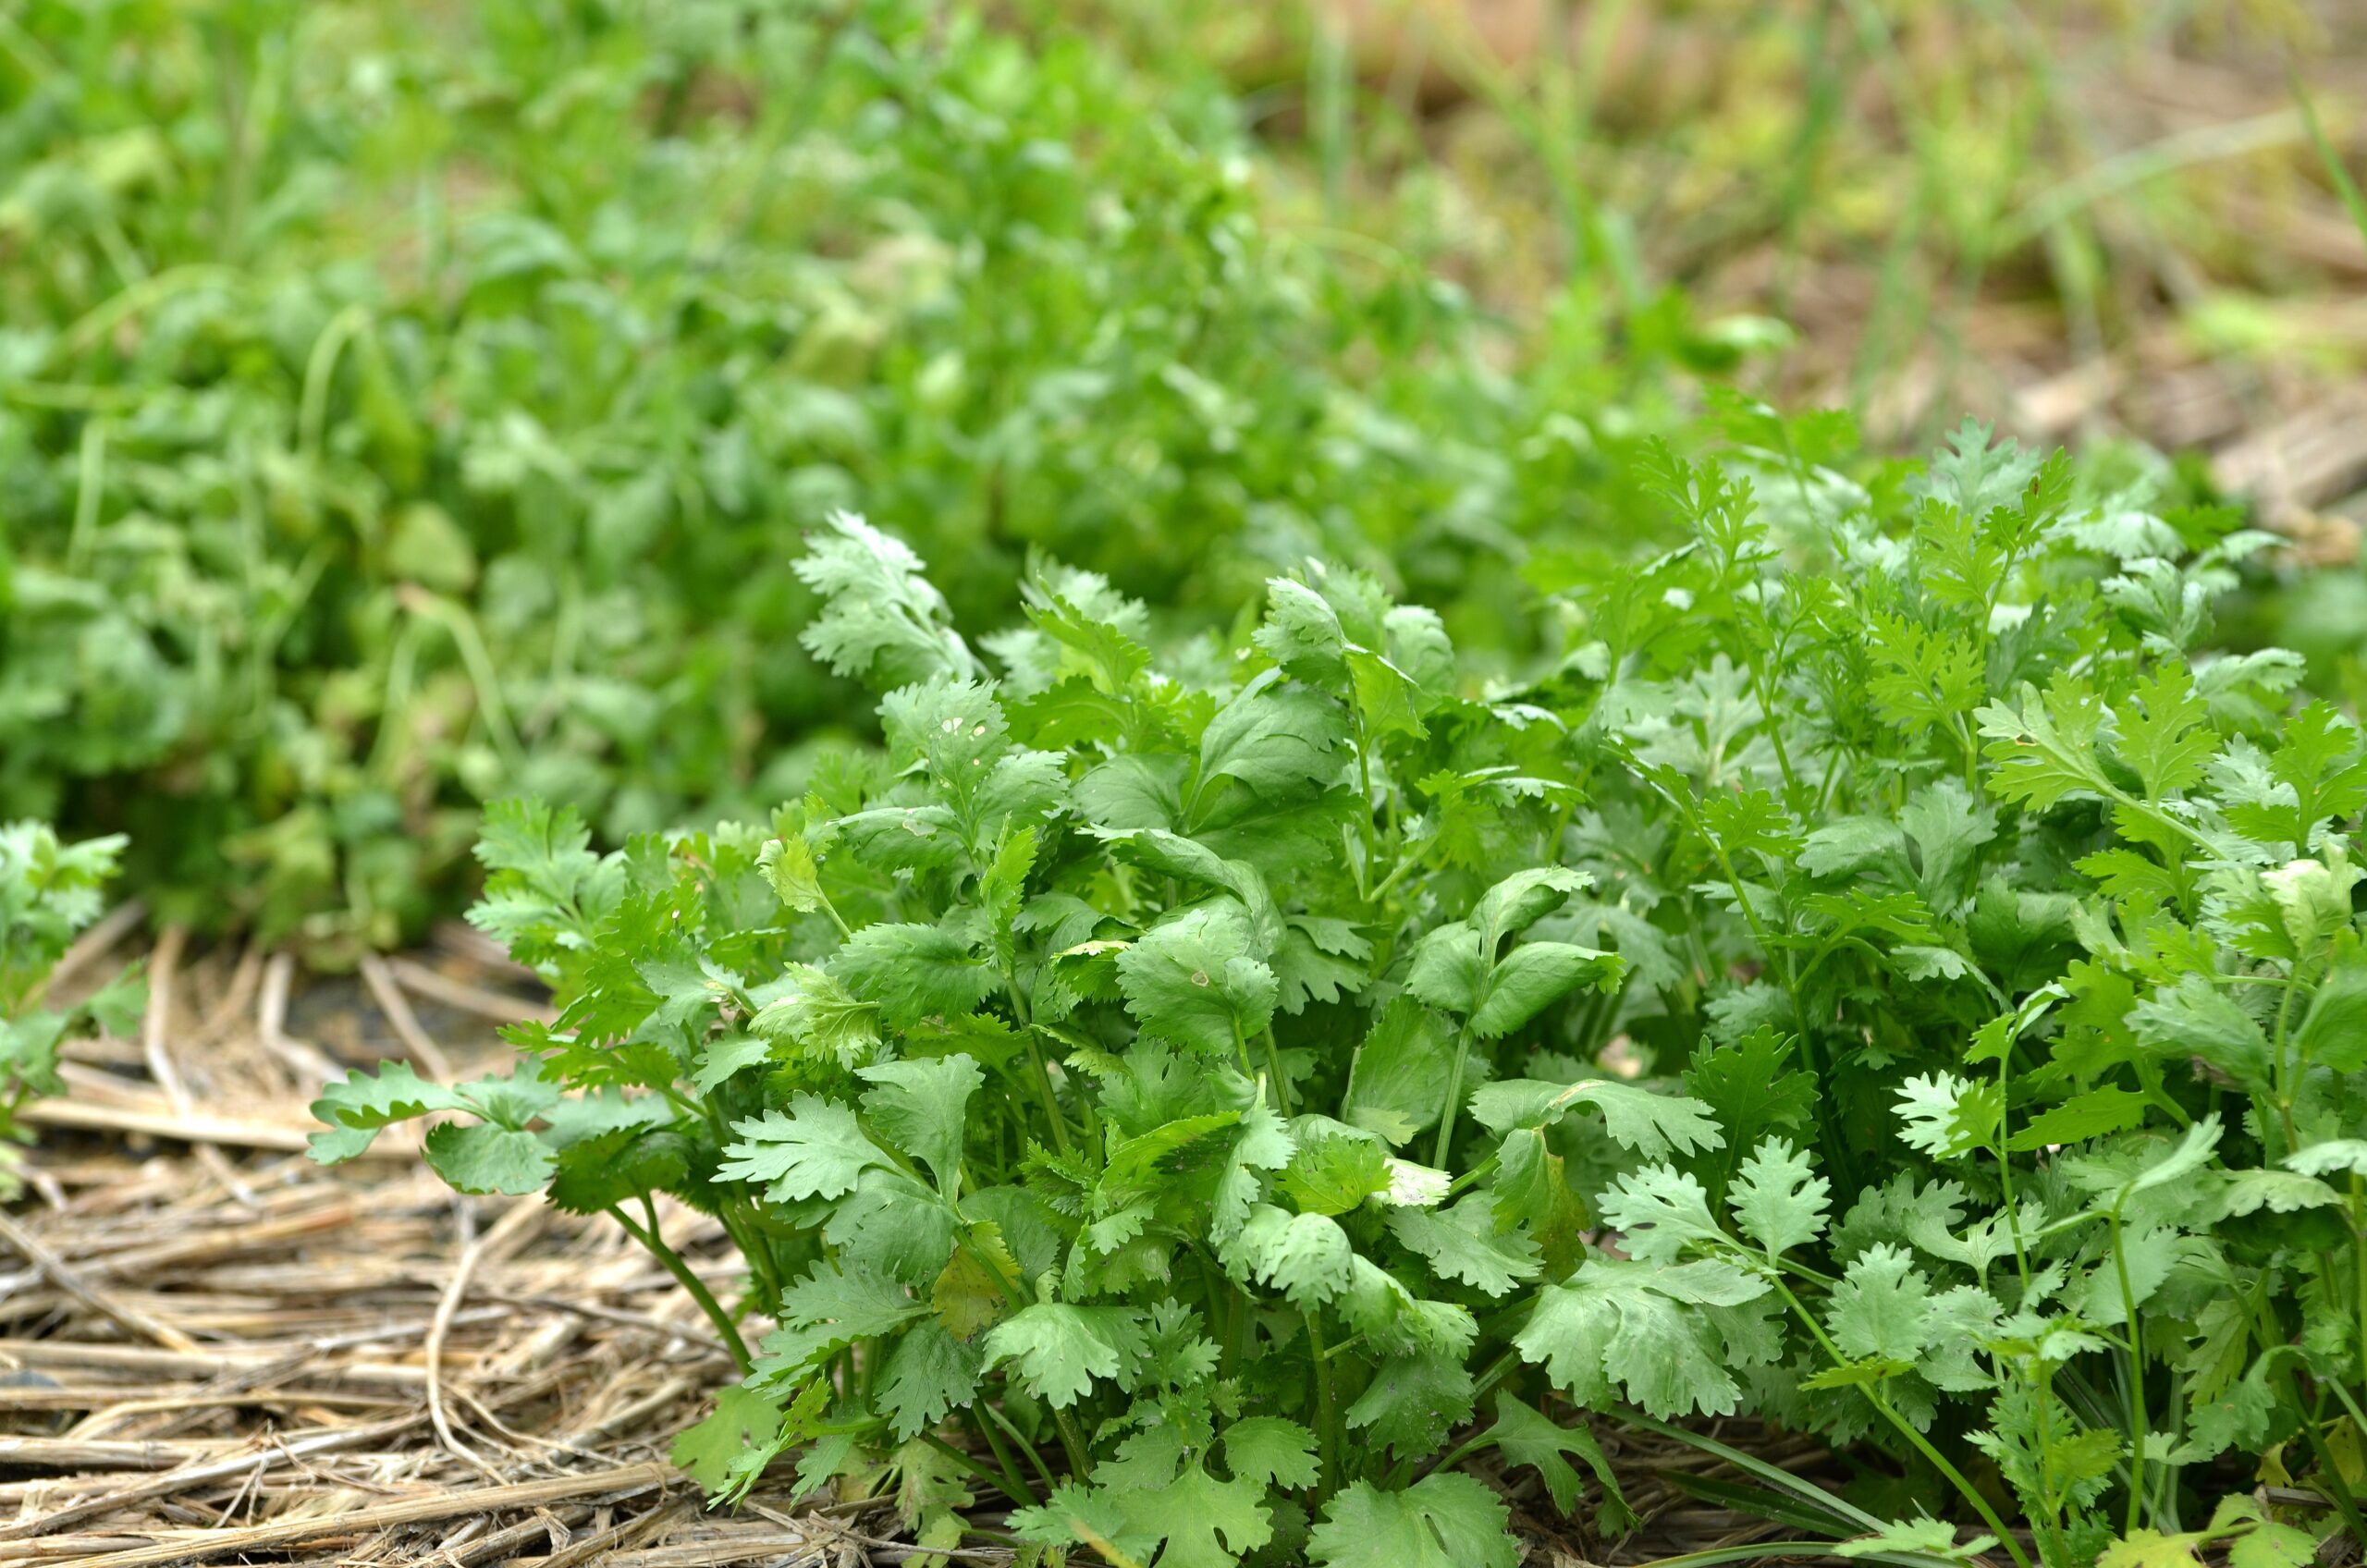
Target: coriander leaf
[
  {"x": 1398, "y": 1080},
  {"x": 1651, "y": 1124},
  {"x": 1525, "y": 1437},
  {"x": 1532, "y": 977},
  {"x": 484, "y": 1158},
  {"x": 817, "y": 1150},
  {"x": 1463, "y": 1243},
  {"x": 1778, "y": 1202},
  {"x": 913, "y": 971},
  {"x": 1306, "y": 1256},
  {"x": 1269, "y": 1448},
  {"x": 1193, "y": 979},
  {"x": 1273, "y": 740},
  {"x": 881, "y": 619},
  {"x": 1628, "y": 1326},
  {"x": 1658, "y": 1212},
  {"x": 1883, "y": 1308},
  {"x": 821, "y": 1017},
  {"x": 928, "y": 1375},
  {"x": 1441, "y": 1521},
  {"x": 920, "y": 1107},
  {"x": 1060, "y": 1348},
  {"x": 359, "y": 1107},
  {"x": 1413, "y": 1402},
  {"x": 713, "y": 1450}
]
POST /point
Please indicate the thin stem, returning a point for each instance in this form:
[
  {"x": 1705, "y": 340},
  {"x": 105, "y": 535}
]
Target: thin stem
[
  {"x": 1282, "y": 1084},
  {"x": 1012, "y": 1486},
  {"x": 2136, "y": 1378},
  {"x": 1326, "y": 1475},
  {"x": 999, "y": 1483},
  {"x": 673, "y": 1264},
  {"x": 2358, "y": 1259},
  {"x": 2283, "y": 1071},
  {"x": 1454, "y": 1097}
]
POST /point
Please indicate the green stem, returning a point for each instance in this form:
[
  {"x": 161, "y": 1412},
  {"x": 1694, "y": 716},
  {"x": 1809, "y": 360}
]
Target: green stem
[
  {"x": 1043, "y": 1470},
  {"x": 2283, "y": 1071},
  {"x": 973, "y": 1468},
  {"x": 2359, "y": 1260},
  {"x": 1327, "y": 1478},
  {"x": 673, "y": 1264},
  {"x": 2136, "y": 1378},
  {"x": 1012, "y": 1486},
  {"x": 1282, "y": 1084},
  {"x": 1041, "y": 1076},
  {"x": 1454, "y": 1097}
]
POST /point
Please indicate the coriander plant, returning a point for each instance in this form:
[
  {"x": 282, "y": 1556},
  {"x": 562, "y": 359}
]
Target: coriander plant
[{"x": 49, "y": 892}]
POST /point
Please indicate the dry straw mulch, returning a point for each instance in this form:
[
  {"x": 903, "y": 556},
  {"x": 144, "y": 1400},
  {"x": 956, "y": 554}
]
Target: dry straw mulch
[{"x": 212, "y": 1351}]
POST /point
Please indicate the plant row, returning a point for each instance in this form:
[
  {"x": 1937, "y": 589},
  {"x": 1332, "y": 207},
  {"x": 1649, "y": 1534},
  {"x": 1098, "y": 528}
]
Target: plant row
[{"x": 1217, "y": 1098}]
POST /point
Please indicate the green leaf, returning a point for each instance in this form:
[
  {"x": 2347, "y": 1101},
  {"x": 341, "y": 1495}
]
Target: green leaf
[
  {"x": 1649, "y": 1123},
  {"x": 1532, "y": 977},
  {"x": 1463, "y": 1243},
  {"x": 881, "y": 619},
  {"x": 1306, "y": 1256},
  {"x": 1750, "y": 1090},
  {"x": 1205, "y": 1522},
  {"x": 913, "y": 971},
  {"x": 1946, "y": 1115},
  {"x": 1658, "y": 1212},
  {"x": 364, "y": 1103},
  {"x": 2165, "y": 737},
  {"x": 833, "y": 1307},
  {"x": 1443, "y": 1521},
  {"x": 1522, "y": 900},
  {"x": 1631, "y": 1327},
  {"x": 1397, "y": 1082},
  {"x": 1192, "y": 980},
  {"x": 481, "y": 1157},
  {"x": 1333, "y": 1174},
  {"x": 1525, "y": 1436},
  {"x": 2312, "y": 897},
  {"x": 2333, "y": 1034},
  {"x": 921, "y": 1106},
  {"x": 821, "y": 1017},
  {"x": 1413, "y": 1402},
  {"x": 1269, "y": 1448},
  {"x": 1451, "y": 968},
  {"x": 1920, "y": 1538},
  {"x": 1263, "y": 1144},
  {"x": 1850, "y": 845},
  {"x": 1275, "y": 742},
  {"x": 2196, "y": 1018},
  {"x": 817, "y": 1150},
  {"x": 788, "y": 865},
  {"x": 2044, "y": 748},
  {"x": 928, "y": 1375},
  {"x": 1059, "y": 1349},
  {"x": 712, "y": 1451},
  {"x": 2090, "y": 1115},
  {"x": 1532, "y": 1190},
  {"x": 1301, "y": 633},
  {"x": 1778, "y": 1201},
  {"x": 1883, "y": 1308}
]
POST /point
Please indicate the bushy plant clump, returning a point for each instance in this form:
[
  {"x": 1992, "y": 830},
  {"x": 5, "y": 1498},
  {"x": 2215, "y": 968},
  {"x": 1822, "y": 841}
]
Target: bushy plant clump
[{"x": 1887, "y": 976}]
